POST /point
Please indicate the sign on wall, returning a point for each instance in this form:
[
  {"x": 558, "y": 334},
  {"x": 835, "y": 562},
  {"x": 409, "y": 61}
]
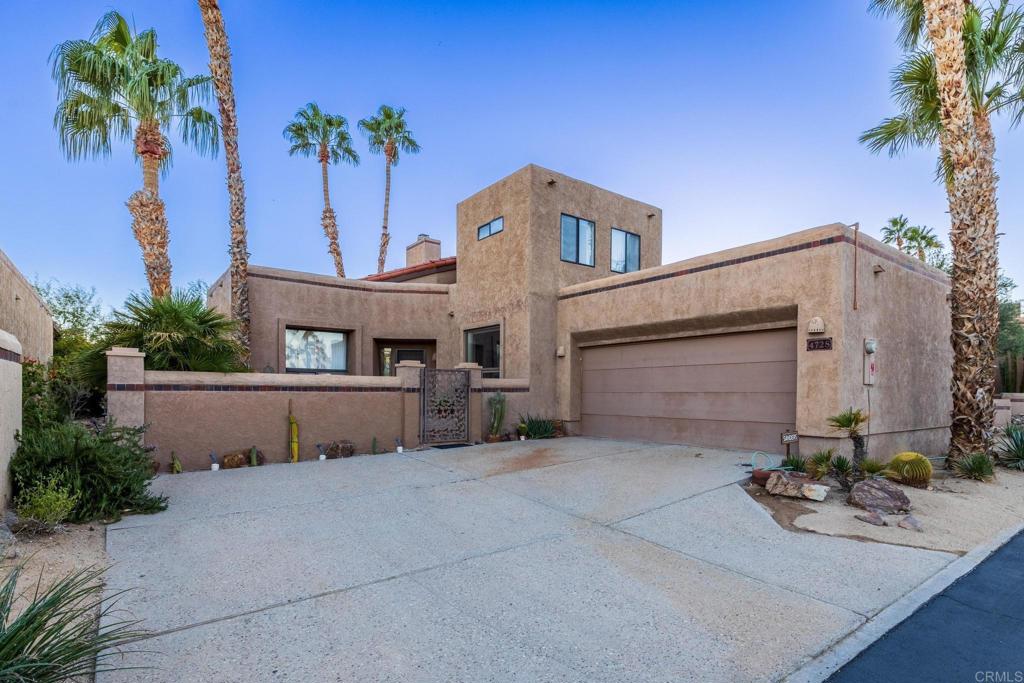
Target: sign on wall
[{"x": 822, "y": 344}]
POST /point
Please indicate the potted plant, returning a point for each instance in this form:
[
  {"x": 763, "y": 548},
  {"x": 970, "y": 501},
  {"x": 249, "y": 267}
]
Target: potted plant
[
  {"x": 521, "y": 428},
  {"x": 850, "y": 422},
  {"x": 498, "y": 405}
]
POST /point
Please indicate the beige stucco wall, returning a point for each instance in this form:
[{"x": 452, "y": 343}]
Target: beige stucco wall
[
  {"x": 788, "y": 283},
  {"x": 366, "y": 310},
  {"x": 23, "y": 313},
  {"x": 10, "y": 408}
]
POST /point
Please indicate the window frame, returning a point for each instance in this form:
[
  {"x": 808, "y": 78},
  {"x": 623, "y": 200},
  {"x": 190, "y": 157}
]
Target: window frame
[
  {"x": 625, "y": 259},
  {"x": 489, "y": 225},
  {"x": 593, "y": 242},
  {"x": 496, "y": 327},
  {"x": 346, "y": 334}
]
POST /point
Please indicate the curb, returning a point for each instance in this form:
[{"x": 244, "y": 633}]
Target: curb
[{"x": 839, "y": 654}]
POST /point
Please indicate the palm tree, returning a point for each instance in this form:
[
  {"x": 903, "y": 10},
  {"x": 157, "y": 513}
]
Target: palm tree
[
  {"x": 220, "y": 68},
  {"x": 895, "y": 231},
  {"x": 325, "y": 135},
  {"x": 971, "y": 191},
  {"x": 921, "y": 240},
  {"x": 388, "y": 133},
  {"x": 114, "y": 87}
]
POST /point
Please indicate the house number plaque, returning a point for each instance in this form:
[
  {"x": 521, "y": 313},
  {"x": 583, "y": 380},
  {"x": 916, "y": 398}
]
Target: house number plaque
[{"x": 821, "y": 344}]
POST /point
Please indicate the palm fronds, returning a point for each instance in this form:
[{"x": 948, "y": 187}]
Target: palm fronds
[
  {"x": 388, "y": 133},
  {"x": 849, "y": 421}
]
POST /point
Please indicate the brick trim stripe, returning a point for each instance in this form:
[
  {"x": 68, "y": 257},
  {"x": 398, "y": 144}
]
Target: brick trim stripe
[
  {"x": 338, "y": 285},
  {"x": 835, "y": 239},
  {"x": 10, "y": 356},
  {"x": 260, "y": 388},
  {"x": 494, "y": 390}
]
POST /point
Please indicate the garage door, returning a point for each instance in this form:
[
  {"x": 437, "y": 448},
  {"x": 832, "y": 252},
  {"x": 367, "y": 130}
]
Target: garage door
[{"x": 729, "y": 390}]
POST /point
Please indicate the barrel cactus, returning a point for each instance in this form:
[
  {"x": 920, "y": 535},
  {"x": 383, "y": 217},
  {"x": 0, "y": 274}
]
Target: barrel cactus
[{"x": 912, "y": 469}]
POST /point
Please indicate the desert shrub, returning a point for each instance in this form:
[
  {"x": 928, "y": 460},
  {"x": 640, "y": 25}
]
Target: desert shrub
[
  {"x": 109, "y": 470},
  {"x": 498, "y": 405},
  {"x": 977, "y": 466},
  {"x": 820, "y": 463},
  {"x": 795, "y": 463},
  {"x": 48, "y": 502},
  {"x": 842, "y": 470},
  {"x": 1010, "y": 447},
  {"x": 176, "y": 332},
  {"x": 910, "y": 468},
  {"x": 55, "y": 638},
  {"x": 537, "y": 427},
  {"x": 871, "y": 467}
]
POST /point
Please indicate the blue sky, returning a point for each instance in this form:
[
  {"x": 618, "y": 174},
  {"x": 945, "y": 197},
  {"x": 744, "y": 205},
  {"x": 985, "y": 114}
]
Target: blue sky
[{"x": 739, "y": 119}]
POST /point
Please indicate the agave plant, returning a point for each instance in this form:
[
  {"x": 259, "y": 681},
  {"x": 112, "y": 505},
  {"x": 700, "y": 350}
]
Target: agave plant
[
  {"x": 795, "y": 463},
  {"x": 55, "y": 637},
  {"x": 1010, "y": 447},
  {"x": 819, "y": 464},
  {"x": 977, "y": 466},
  {"x": 844, "y": 471}
]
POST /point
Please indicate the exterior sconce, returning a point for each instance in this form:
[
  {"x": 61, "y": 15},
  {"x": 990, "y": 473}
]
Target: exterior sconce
[
  {"x": 877, "y": 269},
  {"x": 815, "y": 326},
  {"x": 560, "y": 352}
]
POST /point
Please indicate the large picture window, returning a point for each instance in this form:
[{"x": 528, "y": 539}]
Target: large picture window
[
  {"x": 577, "y": 240},
  {"x": 625, "y": 251},
  {"x": 483, "y": 347},
  {"x": 315, "y": 350}
]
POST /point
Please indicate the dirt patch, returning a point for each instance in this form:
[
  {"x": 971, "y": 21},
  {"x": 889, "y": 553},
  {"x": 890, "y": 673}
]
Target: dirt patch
[
  {"x": 537, "y": 458},
  {"x": 50, "y": 557},
  {"x": 784, "y": 510}
]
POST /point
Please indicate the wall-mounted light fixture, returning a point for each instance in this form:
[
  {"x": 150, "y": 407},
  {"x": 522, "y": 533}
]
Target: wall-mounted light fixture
[
  {"x": 551, "y": 181},
  {"x": 877, "y": 269}
]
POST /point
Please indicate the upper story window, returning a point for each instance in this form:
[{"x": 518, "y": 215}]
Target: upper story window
[
  {"x": 315, "y": 350},
  {"x": 483, "y": 347},
  {"x": 625, "y": 251},
  {"x": 577, "y": 240},
  {"x": 488, "y": 229}
]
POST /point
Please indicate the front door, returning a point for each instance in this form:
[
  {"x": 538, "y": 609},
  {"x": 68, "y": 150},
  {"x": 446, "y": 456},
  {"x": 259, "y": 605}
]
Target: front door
[{"x": 444, "y": 406}]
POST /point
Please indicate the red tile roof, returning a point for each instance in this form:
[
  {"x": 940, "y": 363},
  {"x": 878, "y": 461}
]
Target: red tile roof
[{"x": 434, "y": 265}]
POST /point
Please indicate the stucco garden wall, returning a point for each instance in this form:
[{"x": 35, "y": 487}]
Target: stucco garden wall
[
  {"x": 24, "y": 314},
  {"x": 10, "y": 408}
]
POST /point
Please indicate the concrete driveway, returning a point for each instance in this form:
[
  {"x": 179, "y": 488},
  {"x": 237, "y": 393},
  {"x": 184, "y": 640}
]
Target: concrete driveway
[{"x": 565, "y": 560}]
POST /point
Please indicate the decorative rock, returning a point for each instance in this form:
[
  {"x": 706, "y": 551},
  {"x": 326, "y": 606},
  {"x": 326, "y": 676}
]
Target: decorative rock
[
  {"x": 795, "y": 485},
  {"x": 880, "y": 496},
  {"x": 872, "y": 517},
  {"x": 911, "y": 522},
  {"x": 232, "y": 461},
  {"x": 339, "y": 449}
]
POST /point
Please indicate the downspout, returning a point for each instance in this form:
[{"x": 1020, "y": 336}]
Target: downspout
[{"x": 856, "y": 252}]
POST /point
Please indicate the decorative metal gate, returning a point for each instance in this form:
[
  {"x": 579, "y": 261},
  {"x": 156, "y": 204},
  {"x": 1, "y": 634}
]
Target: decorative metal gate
[{"x": 444, "y": 406}]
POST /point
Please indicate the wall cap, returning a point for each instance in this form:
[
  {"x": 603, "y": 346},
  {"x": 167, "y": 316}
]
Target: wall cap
[
  {"x": 410, "y": 364},
  {"x": 9, "y": 342},
  {"x": 125, "y": 352}
]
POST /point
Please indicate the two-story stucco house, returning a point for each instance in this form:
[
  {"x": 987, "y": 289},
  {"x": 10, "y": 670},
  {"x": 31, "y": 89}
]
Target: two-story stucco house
[{"x": 560, "y": 284}]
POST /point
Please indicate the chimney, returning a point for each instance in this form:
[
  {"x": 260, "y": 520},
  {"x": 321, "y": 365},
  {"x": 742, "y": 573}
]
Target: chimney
[{"x": 424, "y": 249}]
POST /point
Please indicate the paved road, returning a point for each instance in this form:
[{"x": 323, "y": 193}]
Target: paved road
[{"x": 973, "y": 631}]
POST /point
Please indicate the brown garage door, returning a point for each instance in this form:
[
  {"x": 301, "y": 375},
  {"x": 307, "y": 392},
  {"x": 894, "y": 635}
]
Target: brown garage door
[{"x": 730, "y": 390}]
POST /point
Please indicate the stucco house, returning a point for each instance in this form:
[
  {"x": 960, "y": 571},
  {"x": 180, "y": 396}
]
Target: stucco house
[{"x": 560, "y": 286}]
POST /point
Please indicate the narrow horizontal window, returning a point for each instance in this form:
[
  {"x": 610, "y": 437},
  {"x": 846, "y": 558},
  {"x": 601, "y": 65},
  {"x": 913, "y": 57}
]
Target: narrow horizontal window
[
  {"x": 625, "y": 251},
  {"x": 492, "y": 228},
  {"x": 577, "y": 240},
  {"x": 315, "y": 350}
]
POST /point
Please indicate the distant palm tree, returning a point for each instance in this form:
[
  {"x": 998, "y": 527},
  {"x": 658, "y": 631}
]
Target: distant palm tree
[
  {"x": 895, "y": 231},
  {"x": 388, "y": 133},
  {"x": 920, "y": 240},
  {"x": 220, "y": 68},
  {"x": 325, "y": 135},
  {"x": 114, "y": 87}
]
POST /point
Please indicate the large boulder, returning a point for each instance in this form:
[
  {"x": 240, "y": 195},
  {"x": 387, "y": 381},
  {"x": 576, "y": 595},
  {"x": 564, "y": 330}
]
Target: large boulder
[
  {"x": 880, "y": 496},
  {"x": 793, "y": 485}
]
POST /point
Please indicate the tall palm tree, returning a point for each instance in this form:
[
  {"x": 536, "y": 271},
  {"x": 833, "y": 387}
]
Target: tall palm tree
[
  {"x": 920, "y": 240},
  {"x": 220, "y": 68},
  {"x": 971, "y": 191},
  {"x": 388, "y": 133},
  {"x": 113, "y": 86},
  {"x": 313, "y": 132},
  {"x": 895, "y": 231}
]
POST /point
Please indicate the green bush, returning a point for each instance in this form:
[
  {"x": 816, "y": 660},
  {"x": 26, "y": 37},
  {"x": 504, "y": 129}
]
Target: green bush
[
  {"x": 537, "y": 427},
  {"x": 977, "y": 466},
  {"x": 870, "y": 467},
  {"x": 109, "y": 470},
  {"x": 820, "y": 463},
  {"x": 794, "y": 463},
  {"x": 55, "y": 638},
  {"x": 48, "y": 502}
]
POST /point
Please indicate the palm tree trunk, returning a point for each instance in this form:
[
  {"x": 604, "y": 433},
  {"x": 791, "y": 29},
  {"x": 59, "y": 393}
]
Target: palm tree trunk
[
  {"x": 330, "y": 223},
  {"x": 972, "y": 236},
  {"x": 220, "y": 70},
  {"x": 149, "y": 218},
  {"x": 384, "y": 236}
]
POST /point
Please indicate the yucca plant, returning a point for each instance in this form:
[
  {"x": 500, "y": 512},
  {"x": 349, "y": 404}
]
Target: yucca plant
[
  {"x": 55, "y": 637},
  {"x": 1010, "y": 447},
  {"x": 850, "y": 422},
  {"x": 794, "y": 463},
  {"x": 977, "y": 466},
  {"x": 537, "y": 427},
  {"x": 912, "y": 469},
  {"x": 843, "y": 471},
  {"x": 820, "y": 463}
]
